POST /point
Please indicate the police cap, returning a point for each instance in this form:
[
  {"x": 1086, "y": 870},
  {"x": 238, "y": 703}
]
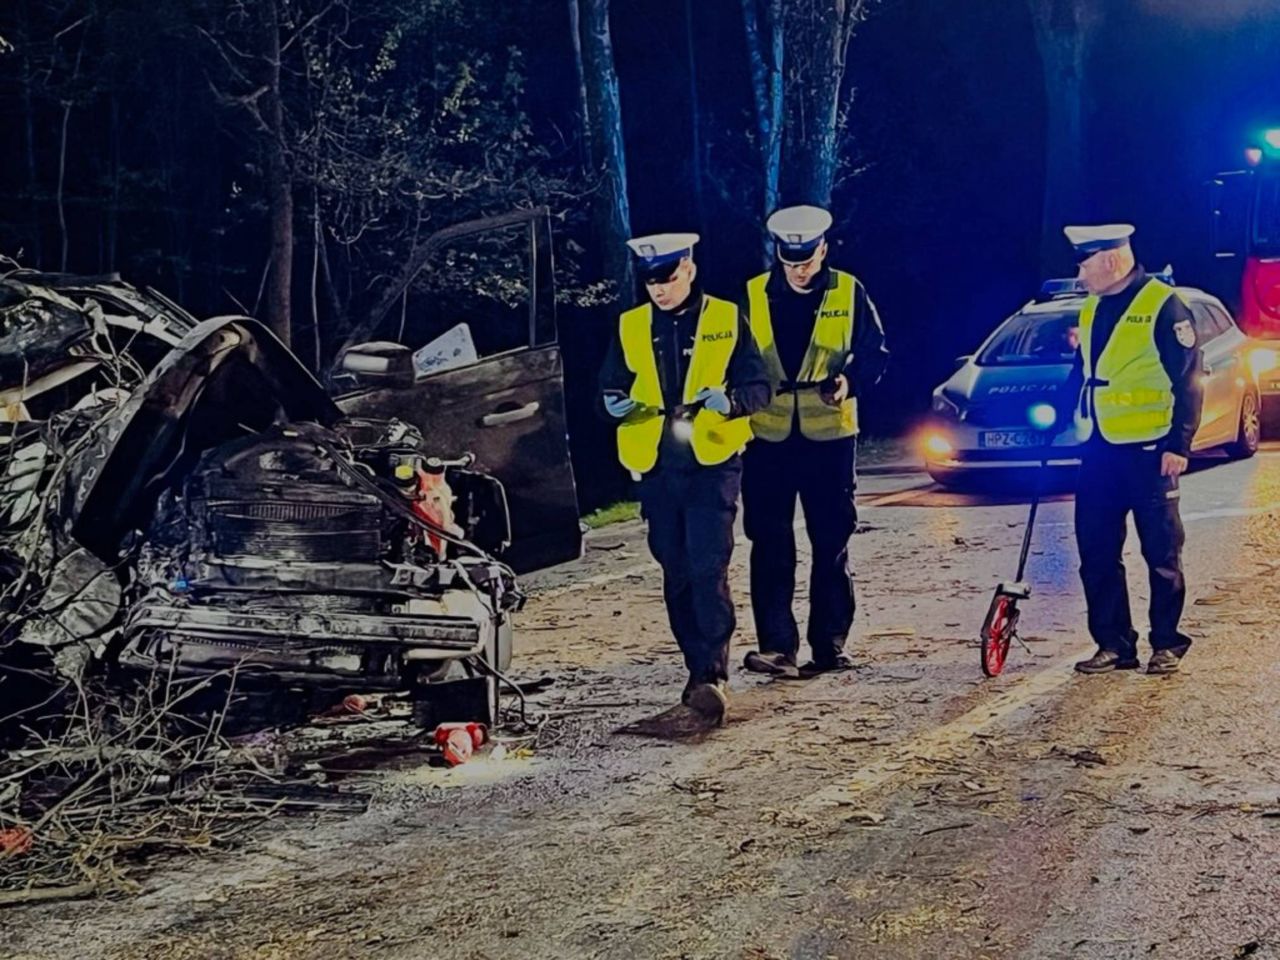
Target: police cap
[
  {"x": 1090, "y": 240},
  {"x": 658, "y": 254},
  {"x": 798, "y": 232}
]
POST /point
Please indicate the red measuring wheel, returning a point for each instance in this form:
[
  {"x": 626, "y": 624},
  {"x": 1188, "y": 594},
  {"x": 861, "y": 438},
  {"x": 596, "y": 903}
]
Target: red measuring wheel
[{"x": 998, "y": 632}]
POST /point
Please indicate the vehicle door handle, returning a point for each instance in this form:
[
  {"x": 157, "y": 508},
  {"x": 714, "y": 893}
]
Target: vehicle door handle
[{"x": 504, "y": 417}]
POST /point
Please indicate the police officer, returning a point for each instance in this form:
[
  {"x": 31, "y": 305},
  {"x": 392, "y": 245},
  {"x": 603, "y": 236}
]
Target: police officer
[
  {"x": 682, "y": 379},
  {"x": 823, "y": 344},
  {"x": 1139, "y": 406}
]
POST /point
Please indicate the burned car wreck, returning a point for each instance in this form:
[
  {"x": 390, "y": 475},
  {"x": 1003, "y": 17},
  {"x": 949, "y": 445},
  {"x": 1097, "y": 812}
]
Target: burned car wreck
[{"x": 219, "y": 516}]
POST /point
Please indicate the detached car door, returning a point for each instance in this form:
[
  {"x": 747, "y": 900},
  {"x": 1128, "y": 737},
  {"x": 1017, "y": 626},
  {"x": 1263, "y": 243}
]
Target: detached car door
[{"x": 463, "y": 346}]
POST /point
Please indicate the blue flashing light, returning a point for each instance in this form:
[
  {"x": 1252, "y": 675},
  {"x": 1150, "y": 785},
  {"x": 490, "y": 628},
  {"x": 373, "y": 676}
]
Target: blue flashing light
[
  {"x": 1272, "y": 138},
  {"x": 1060, "y": 287},
  {"x": 1042, "y": 415}
]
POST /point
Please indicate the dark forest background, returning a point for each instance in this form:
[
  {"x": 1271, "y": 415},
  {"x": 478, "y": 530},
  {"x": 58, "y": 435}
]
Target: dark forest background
[{"x": 282, "y": 157}]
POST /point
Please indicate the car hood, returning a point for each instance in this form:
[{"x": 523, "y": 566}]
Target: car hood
[
  {"x": 1007, "y": 384},
  {"x": 227, "y": 377}
]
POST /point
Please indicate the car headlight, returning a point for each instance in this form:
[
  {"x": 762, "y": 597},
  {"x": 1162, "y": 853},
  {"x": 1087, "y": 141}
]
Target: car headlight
[
  {"x": 937, "y": 446},
  {"x": 1042, "y": 416},
  {"x": 1263, "y": 360},
  {"x": 944, "y": 407}
]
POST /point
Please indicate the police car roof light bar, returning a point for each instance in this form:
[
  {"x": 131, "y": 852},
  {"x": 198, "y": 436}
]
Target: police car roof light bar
[{"x": 1063, "y": 287}]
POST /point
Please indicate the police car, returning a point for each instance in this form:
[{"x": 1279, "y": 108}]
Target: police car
[{"x": 998, "y": 414}]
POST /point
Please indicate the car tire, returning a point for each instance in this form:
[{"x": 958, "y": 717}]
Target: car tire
[
  {"x": 940, "y": 478},
  {"x": 1249, "y": 429}
]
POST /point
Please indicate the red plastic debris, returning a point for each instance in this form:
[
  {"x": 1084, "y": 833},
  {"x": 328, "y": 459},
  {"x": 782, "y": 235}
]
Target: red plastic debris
[
  {"x": 354, "y": 703},
  {"x": 460, "y": 740},
  {"x": 15, "y": 841}
]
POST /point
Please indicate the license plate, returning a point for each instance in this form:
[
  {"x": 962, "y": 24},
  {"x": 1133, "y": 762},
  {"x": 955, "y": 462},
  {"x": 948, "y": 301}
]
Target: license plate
[{"x": 995, "y": 439}]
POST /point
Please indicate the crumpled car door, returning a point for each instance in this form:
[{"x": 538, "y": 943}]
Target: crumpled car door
[{"x": 464, "y": 348}]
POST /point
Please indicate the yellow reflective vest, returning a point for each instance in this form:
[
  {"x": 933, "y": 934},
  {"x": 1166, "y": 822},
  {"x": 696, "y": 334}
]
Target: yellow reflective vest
[
  {"x": 715, "y": 438},
  {"x": 1127, "y": 392},
  {"x": 829, "y": 347}
]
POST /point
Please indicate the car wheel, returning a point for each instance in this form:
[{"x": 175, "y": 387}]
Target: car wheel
[{"x": 1249, "y": 430}]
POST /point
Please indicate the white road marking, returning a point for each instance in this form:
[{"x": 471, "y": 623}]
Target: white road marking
[{"x": 935, "y": 740}]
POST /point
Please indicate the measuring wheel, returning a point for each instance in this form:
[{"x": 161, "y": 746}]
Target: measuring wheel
[{"x": 998, "y": 632}]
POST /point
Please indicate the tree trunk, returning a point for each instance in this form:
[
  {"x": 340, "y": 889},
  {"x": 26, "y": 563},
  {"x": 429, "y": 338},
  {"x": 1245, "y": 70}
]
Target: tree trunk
[
  {"x": 67, "y": 106},
  {"x": 765, "y": 53},
  {"x": 695, "y": 116},
  {"x": 62, "y": 179},
  {"x": 113, "y": 207},
  {"x": 816, "y": 42},
  {"x": 1064, "y": 35},
  {"x": 608, "y": 162},
  {"x": 776, "y": 86},
  {"x": 317, "y": 239},
  {"x": 575, "y": 27},
  {"x": 34, "y": 255},
  {"x": 279, "y": 181},
  {"x": 337, "y": 309}
]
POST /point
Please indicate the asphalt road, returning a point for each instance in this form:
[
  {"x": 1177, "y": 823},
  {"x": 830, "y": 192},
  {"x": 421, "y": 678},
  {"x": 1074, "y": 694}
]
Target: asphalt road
[{"x": 910, "y": 809}]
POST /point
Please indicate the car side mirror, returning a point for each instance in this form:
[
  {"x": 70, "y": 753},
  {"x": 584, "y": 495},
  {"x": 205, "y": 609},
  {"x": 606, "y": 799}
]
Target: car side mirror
[
  {"x": 380, "y": 362},
  {"x": 961, "y": 361}
]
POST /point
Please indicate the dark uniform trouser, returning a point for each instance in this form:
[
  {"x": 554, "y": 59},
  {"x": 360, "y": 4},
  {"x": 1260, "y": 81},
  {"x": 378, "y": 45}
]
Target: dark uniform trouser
[
  {"x": 690, "y": 514},
  {"x": 1113, "y": 482},
  {"x": 821, "y": 475}
]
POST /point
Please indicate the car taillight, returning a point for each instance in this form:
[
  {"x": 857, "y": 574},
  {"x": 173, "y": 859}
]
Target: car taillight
[{"x": 1266, "y": 287}]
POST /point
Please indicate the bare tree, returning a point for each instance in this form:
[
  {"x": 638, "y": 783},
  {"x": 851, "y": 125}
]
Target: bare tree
[
  {"x": 279, "y": 176},
  {"x": 575, "y": 28},
  {"x": 695, "y": 116},
  {"x": 798, "y": 51},
  {"x": 250, "y": 48},
  {"x": 765, "y": 50},
  {"x": 816, "y": 36},
  {"x": 1065, "y": 30},
  {"x": 612, "y": 212}
]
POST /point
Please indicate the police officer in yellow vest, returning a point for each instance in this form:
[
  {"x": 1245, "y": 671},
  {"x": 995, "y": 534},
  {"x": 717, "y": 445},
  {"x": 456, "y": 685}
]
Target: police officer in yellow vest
[
  {"x": 682, "y": 379},
  {"x": 822, "y": 341},
  {"x": 1139, "y": 408}
]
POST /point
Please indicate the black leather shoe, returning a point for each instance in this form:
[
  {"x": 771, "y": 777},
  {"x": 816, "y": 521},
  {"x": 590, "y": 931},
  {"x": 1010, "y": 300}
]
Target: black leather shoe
[
  {"x": 815, "y": 668},
  {"x": 1164, "y": 662},
  {"x": 1105, "y": 661},
  {"x": 772, "y": 664},
  {"x": 710, "y": 701}
]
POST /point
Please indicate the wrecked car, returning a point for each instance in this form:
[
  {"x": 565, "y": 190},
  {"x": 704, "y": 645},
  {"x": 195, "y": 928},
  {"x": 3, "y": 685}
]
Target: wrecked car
[{"x": 221, "y": 516}]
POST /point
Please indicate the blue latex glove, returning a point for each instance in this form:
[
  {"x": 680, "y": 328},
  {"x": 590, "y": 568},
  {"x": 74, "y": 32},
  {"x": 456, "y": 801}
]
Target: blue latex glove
[
  {"x": 617, "y": 406},
  {"x": 713, "y": 398}
]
